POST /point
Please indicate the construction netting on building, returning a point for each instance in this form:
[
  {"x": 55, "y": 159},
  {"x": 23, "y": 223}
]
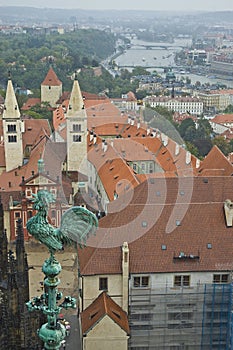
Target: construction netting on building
[{"x": 181, "y": 319}]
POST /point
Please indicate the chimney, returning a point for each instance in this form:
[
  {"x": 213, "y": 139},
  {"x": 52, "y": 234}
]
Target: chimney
[
  {"x": 91, "y": 136},
  {"x": 94, "y": 139},
  {"x": 125, "y": 276},
  {"x": 177, "y": 149},
  {"x": 188, "y": 157},
  {"x": 105, "y": 146},
  {"x": 228, "y": 209}
]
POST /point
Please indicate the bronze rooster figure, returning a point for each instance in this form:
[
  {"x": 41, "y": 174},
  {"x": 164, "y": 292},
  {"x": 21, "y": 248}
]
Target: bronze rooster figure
[{"x": 77, "y": 224}]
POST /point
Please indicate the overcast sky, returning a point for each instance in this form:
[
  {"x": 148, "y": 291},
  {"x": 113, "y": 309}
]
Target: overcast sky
[{"x": 178, "y": 5}]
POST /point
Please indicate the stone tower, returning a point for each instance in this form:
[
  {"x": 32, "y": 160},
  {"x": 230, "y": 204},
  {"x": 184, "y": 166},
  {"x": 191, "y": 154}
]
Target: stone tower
[
  {"x": 13, "y": 127},
  {"x": 51, "y": 88},
  {"x": 76, "y": 124}
]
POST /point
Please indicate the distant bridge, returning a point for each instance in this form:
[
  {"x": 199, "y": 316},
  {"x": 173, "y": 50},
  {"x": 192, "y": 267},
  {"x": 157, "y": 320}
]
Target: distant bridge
[
  {"x": 145, "y": 66},
  {"x": 156, "y": 47}
]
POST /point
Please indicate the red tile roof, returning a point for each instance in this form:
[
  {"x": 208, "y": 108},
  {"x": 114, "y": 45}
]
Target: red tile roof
[
  {"x": 184, "y": 214},
  {"x": 51, "y": 79},
  {"x": 32, "y": 101},
  {"x": 103, "y": 306},
  {"x": 216, "y": 161},
  {"x": 222, "y": 119}
]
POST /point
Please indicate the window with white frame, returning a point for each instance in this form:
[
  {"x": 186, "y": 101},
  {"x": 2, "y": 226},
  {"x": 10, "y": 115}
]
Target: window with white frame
[
  {"x": 182, "y": 281},
  {"x": 141, "y": 281},
  {"x": 221, "y": 278}
]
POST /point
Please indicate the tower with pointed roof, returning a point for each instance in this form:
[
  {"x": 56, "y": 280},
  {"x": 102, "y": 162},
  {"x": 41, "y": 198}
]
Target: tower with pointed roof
[
  {"x": 76, "y": 120},
  {"x": 51, "y": 88},
  {"x": 13, "y": 127}
]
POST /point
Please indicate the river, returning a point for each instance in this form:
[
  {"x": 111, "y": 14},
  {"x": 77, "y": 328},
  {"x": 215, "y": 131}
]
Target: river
[{"x": 154, "y": 56}]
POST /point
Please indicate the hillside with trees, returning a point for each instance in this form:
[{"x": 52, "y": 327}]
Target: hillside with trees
[{"x": 28, "y": 56}]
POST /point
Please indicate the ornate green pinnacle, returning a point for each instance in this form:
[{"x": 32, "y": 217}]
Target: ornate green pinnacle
[{"x": 77, "y": 223}]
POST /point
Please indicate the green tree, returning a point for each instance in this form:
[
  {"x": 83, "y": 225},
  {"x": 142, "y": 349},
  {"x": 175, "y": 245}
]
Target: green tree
[
  {"x": 222, "y": 144},
  {"x": 229, "y": 109},
  {"x": 192, "y": 149},
  {"x": 184, "y": 125}
]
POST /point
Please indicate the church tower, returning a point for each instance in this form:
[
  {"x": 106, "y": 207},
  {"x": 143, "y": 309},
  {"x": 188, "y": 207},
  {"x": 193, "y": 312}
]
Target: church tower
[
  {"x": 76, "y": 125},
  {"x": 13, "y": 127},
  {"x": 51, "y": 88}
]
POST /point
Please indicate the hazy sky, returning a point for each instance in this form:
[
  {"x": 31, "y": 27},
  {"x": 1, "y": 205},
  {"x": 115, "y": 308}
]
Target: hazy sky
[{"x": 178, "y": 5}]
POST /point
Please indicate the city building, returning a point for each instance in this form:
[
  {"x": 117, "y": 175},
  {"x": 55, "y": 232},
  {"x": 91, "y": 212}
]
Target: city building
[
  {"x": 104, "y": 325},
  {"x": 192, "y": 105},
  {"x": 169, "y": 259}
]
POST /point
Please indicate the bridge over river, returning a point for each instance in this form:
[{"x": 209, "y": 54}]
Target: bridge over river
[{"x": 156, "y": 47}]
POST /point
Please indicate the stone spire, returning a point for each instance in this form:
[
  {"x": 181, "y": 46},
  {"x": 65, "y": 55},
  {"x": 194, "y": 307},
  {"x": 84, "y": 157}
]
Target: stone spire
[
  {"x": 11, "y": 108},
  {"x": 76, "y": 104},
  {"x": 13, "y": 127},
  {"x": 76, "y": 126}
]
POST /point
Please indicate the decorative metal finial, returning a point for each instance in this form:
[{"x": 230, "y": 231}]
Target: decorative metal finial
[{"x": 76, "y": 224}]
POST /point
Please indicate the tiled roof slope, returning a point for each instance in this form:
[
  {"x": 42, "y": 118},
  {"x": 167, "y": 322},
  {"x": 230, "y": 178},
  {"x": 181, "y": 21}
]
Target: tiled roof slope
[
  {"x": 215, "y": 161},
  {"x": 115, "y": 174},
  {"x": 102, "y": 306},
  {"x": 32, "y": 101},
  {"x": 51, "y": 79},
  {"x": 222, "y": 118},
  {"x": 184, "y": 214}
]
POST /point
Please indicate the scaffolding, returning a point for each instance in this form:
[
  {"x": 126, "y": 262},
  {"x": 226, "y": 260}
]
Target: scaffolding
[{"x": 181, "y": 319}]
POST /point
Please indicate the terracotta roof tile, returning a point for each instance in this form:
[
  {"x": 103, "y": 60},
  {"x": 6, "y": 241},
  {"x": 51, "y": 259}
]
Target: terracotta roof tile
[
  {"x": 51, "y": 79},
  {"x": 30, "y": 103},
  {"x": 103, "y": 306},
  {"x": 223, "y": 118},
  {"x": 184, "y": 214},
  {"x": 216, "y": 161}
]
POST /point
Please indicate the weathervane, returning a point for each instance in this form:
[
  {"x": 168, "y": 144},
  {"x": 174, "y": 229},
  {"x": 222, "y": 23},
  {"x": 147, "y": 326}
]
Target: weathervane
[{"x": 77, "y": 224}]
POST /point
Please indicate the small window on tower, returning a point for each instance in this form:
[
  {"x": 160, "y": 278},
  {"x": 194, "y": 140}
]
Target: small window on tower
[
  {"x": 12, "y": 138},
  {"x": 11, "y": 128},
  {"x": 77, "y": 138},
  {"x": 77, "y": 127}
]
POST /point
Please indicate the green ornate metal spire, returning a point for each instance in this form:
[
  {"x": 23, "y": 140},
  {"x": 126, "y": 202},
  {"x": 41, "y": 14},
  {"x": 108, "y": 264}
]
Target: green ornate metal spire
[{"x": 76, "y": 224}]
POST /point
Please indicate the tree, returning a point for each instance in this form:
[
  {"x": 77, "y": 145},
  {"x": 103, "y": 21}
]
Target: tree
[
  {"x": 140, "y": 71},
  {"x": 229, "y": 109},
  {"x": 192, "y": 149},
  {"x": 184, "y": 125},
  {"x": 222, "y": 144}
]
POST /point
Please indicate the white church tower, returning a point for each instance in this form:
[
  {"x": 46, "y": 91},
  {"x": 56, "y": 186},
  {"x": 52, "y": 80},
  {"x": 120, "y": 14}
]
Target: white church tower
[
  {"x": 51, "y": 88},
  {"x": 76, "y": 120},
  {"x": 13, "y": 127}
]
